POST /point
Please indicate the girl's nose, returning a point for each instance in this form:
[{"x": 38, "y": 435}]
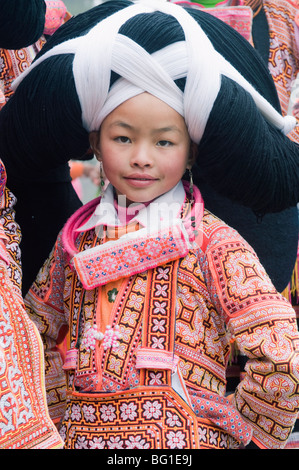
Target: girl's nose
[{"x": 141, "y": 156}]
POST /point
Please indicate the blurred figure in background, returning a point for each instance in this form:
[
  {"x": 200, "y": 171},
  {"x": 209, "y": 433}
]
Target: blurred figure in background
[
  {"x": 24, "y": 417},
  {"x": 39, "y": 195}
]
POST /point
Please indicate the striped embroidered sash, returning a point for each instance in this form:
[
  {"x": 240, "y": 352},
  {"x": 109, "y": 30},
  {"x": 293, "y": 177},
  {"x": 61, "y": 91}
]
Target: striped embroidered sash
[
  {"x": 127, "y": 256},
  {"x": 157, "y": 351}
]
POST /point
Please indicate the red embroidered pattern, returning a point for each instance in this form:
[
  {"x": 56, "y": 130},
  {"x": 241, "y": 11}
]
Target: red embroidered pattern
[
  {"x": 144, "y": 418},
  {"x": 24, "y": 419},
  {"x": 105, "y": 263},
  {"x": 241, "y": 278},
  {"x": 13, "y": 63},
  {"x": 208, "y": 312}
]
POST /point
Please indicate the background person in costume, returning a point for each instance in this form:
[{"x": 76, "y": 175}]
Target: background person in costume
[
  {"x": 24, "y": 417},
  {"x": 25, "y": 26},
  {"x": 21, "y": 25},
  {"x": 180, "y": 301},
  {"x": 34, "y": 190},
  {"x": 56, "y": 15}
]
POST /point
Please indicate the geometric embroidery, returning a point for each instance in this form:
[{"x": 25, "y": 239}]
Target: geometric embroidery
[
  {"x": 127, "y": 314},
  {"x": 14, "y": 62},
  {"x": 144, "y": 418},
  {"x": 238, "y": 18},
  {"x": 241, "y": 278},
  {"x": 123, "y": 258},
  {"x": 158, "y": 320},
  {"x": 13, "y": 234},
  {"x": 24, "y": 420},
  {"x": 207, "y": 312}
]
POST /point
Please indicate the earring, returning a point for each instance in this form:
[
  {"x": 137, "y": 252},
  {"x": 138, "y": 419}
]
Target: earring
[
  {"x": 191, "y": 190},
  {"x": 102, "y": 179}
]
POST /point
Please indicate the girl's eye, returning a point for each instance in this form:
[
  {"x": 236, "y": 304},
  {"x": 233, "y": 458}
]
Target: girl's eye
[
  {"x": 164, "y": 143},
  {"x": 122, "y": 139}
]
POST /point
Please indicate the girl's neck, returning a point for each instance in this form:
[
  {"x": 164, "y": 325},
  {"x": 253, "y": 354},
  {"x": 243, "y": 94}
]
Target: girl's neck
[{"x": 126, "y": 214}]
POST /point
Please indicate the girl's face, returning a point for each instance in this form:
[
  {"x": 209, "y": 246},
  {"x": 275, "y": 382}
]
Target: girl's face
[{"x": 144, "y": 147}]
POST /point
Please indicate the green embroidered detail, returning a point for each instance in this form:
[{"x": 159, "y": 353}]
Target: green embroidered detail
[{"x": 112, "y": 294}]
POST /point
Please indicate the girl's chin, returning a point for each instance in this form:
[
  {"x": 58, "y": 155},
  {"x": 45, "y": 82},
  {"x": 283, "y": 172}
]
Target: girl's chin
[{"x": 127, "y": 200}]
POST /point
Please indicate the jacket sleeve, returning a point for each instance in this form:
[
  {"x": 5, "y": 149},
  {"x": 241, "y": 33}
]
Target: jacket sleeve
[
  {"x": 263, "y": 324},
  {"x": 45, "y": 306}
]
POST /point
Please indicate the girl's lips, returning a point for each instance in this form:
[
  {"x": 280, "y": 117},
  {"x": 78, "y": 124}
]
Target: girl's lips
[
  {"x": 140, "y": 180},
  {"x": 140, "y": 176}
]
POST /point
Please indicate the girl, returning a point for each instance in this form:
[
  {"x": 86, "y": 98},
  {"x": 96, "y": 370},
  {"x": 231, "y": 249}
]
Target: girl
[{"x": 152, "y": 287}]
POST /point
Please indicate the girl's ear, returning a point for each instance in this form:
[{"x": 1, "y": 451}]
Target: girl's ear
[
  {"x": 192, "y": 155},
  {"x": 94, "y": 140}
]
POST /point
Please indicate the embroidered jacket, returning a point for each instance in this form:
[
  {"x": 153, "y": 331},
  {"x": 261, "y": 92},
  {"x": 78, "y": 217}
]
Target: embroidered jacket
[
  {"x": 222, "y": 295},
  {"x": 24, "y": 418}
]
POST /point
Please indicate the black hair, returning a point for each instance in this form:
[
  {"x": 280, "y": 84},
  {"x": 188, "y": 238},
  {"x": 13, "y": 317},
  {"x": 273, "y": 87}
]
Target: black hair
[{"x": 21, "y": 22}]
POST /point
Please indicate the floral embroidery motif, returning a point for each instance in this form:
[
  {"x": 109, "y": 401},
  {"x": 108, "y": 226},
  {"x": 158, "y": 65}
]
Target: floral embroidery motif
[
  {"x": 155, "y": 378},
  {"x": 89, "y": 413},
  {"x": 176, "y": 440},
  {"x": 136, "y": 442},
  {"x": 128, "y": 411},
  {"x": 173, "y": 419},
  {"x": 107, "y": 413},
  {"x": 115, "y": 443},
  {"x": 97, "y": 443},
  {"x": 152, "y": 409},
  {"x": 159, "y": 325}
]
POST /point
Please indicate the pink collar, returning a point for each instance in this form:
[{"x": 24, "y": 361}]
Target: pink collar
[{"x": 69, "y": 233}]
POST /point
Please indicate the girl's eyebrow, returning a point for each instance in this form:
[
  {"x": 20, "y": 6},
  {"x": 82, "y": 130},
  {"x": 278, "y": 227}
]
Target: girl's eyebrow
[
  {"x": 121, "y": 124},
  {"x": 168, "y": 129},
  {"x": 125, "y": 125}
]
